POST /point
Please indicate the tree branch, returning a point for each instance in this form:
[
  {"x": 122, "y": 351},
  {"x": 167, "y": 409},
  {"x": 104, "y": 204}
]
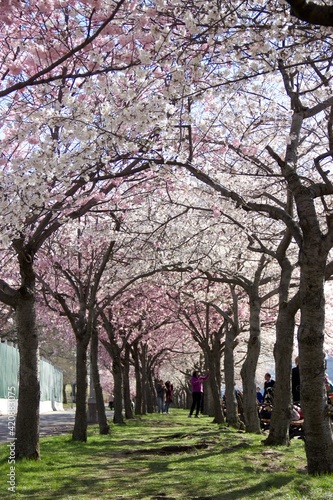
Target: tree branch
[
  {"x": 36, "y": 78},
  {"x": 311, "y": 12},
  {"x": 8, "y": 295}
]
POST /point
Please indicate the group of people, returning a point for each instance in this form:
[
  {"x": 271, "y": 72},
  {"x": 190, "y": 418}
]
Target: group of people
[
  {"x": 164, "y": 396},
  {"x": 267, "y": 397},
  {"x": 164, "y": 391},
  {"x": 269, "y": 384},
  {"x": 296, "y": 411},
  {"x": 296, "y": 385}
]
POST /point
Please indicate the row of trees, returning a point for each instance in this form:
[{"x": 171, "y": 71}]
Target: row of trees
[{"x": 189, "y": 139}]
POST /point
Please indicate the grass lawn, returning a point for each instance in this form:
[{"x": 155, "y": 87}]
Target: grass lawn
[{"x": 164, "y": 457}]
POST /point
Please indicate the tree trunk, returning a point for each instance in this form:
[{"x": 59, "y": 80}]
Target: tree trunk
[
  {"x": 64, "y": 395},
  {"x": 27, "y": 419},
  {"x": 285, "y": 330},
  {"x": 150, "y": 392},
  {"x": 80, "y": 424},
  {"x": 115, "y": 354},
  {"x": 229, "y": 374},
  {"x": 118, "y": 389},
  {"x": 317, "y": 421},
  {"x": 314, "y": 248},
  {"x": 248, "y": 371},
  {"x": 104, "y": 427},
  {"x": 215, "y": 390},
  {"x": 280, "y": 419},
  {"x": 207, "y": 400},
  {"x": 144, "y": 381},
  {"x": 138, "y": 381},
  {"x": 126, "y": 384}
]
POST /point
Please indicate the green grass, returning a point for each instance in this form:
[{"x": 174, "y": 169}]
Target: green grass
[{"x": 165, "y": 457}]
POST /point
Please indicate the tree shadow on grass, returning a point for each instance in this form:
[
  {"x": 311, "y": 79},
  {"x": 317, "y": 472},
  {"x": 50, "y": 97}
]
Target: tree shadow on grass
[
  {"x": 234, "y": 491},
  {"x": 100, "y": 481}
]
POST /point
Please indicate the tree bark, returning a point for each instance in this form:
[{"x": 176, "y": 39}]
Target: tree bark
[
  {"x": 285, "y": 330},
  {"x": 80, "y": 424},
  {"x": 314, "y": 248},
  {"x": 317, "y": 421},
  {"x": 144, "y": 380},
  {"x": 280, "y": 420},
  {"x": 248, "y": 371},
  {"x": 138, "y": 381},
  {"x": 23, "y": 301},
  {"x": 229, "y": 373},
  {"x": 126, "y": 384},
  {"x": 207, "y": 400},
  {"x": 104, "y": 427},
  {"x": 115, "y": 354},
  {"x": 27, "y": 419},
  {"x": 215, "y": 387},
  {"x": 311, "y": 12},
  {"x": 118, "y": 389},
  {"x": 150, "y": 392}
]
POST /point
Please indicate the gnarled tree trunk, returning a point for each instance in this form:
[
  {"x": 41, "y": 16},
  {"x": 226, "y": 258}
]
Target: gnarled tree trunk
[
  {"x": 314, "y": 247},
  {"x": 23, "y": 300},
  {"x": 317, "y": 421},
  {"x": 144, "y": 379}
]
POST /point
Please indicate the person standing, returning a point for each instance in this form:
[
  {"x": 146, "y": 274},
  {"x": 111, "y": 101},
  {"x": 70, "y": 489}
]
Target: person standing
[
  {"x": 160, "y": 391},
  {"x": 269, "y": 382},
  {"x": 260, "y": 397},
  {"x": 296, "y": 383},
  {"x": 168, "y": 395},
  {"x": 197, "y": 391}
]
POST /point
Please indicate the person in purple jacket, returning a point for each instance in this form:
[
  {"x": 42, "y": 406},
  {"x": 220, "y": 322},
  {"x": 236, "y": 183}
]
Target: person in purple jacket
[{"x": 197, "y": 391}]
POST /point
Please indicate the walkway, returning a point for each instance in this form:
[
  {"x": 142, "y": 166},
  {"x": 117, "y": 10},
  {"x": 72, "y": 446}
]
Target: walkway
[{"x": 52, "y": 423}]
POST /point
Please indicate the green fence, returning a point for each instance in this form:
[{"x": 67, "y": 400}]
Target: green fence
[
  {"x": 9, "y": 367},
  {"x": 51, "y": 378},
  {"x": 50, "y": 382}
]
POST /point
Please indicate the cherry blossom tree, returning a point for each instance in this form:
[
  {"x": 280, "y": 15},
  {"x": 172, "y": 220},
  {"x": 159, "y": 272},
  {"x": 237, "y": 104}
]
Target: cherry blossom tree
[
  {"x": 77, "y": 279},
  {"x": 35, "y": 51},
  {"x": 64, "y": 122},
  {"x": 310, "y": 239},
  {"x": 207, "y": 328},
  {"x": 139, "y": 324},
  {"x": 235, "y": 154},
  {"x": 55, "y": 64},
  {"x": 256, "y": 298},
  {"x": 96, "y": 91}
]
